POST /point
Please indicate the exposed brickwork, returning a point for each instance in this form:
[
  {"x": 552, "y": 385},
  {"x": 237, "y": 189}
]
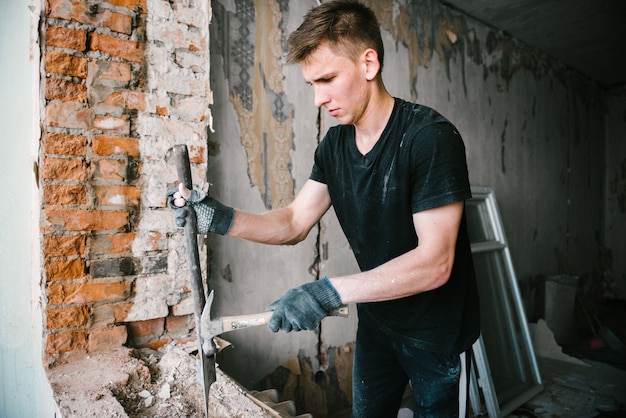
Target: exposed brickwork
[
  {"x": 73, "y": 316},
  {"x": 114, "y": 102}
]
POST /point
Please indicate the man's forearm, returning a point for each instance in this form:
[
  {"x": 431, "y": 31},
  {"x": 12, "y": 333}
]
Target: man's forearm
[
  {"x": 275, "y": 227},
  {"x": 409, "y": 274}
]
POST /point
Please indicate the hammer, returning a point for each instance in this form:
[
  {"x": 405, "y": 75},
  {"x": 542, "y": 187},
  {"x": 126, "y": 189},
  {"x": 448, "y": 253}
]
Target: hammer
[{"x": 210, "y": 328}]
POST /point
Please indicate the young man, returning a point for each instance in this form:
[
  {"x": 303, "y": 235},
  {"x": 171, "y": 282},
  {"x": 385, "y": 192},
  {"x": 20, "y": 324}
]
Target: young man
[{"x": 396, "y": 175}]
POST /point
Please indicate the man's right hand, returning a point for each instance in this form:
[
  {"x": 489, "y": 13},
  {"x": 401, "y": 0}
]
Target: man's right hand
[
  {"x": 304, "y": 307},
  {"x": 180, "y": 196},
  {"x": 212, "y": 216}
]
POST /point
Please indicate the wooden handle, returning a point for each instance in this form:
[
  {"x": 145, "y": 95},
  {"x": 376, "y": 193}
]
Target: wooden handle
[{"x": 231, "y": 323}]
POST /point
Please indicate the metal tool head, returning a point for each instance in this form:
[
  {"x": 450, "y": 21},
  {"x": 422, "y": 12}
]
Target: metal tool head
[{"x": 208, "y": 328}]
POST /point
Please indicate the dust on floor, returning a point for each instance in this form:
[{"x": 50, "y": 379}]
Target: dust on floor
[{"x": 145, "y": 383}]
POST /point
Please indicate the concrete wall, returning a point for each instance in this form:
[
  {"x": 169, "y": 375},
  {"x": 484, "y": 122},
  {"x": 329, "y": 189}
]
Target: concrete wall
[
  {"x": 24, "y": 389},
  {"x": 615, "y": 189},
  {"x": 534, "y": 131}
]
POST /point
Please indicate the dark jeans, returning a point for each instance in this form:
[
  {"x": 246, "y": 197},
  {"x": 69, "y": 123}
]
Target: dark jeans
[{"x": 383, "y": 367}]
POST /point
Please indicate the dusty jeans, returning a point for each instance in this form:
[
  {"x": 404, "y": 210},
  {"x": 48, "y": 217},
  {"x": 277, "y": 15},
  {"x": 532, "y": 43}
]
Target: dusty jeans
[{"x": 382, "y": 368}]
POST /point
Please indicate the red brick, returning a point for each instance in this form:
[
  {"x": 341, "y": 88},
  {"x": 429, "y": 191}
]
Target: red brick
[
  {"x": 118, "y": 195},
  {"x": 71, "y": 317},
  {"x": 64, "y": 169},
  {"x": 118, "y": 243},
  {"x": 71, "y": 115},
  {"x": 64, "y": 245},
  {"x": 64, "y": 194},
  {"x": 108, "y": 314},
  {"x": 66, "y": 64},
  {"x": 120, "y": 23},
  {"x": 62, "y": 293},
  {"x": 64, "y": 144},
  {"x": 108, "y": 146},
  {"x": 66, "y": 341},
  {"x": 121, "y": 311},
  {"x": 130, "y": 4},
  {"x": 97, "y": 16},
  {"x": 127, "y": 99},
  {"x": 107, "y": 338},
  {"x": 179, "y": 325},
  {"x": 62, "y": 9},
  {"x": 118, "y": 47},
  {"x": 59, "y": 89},
  {"x": 110, "y": 169},
  {"x": 104, "y": 18},
  {"x": 153, "y": 344},
  {"x": 87, "y": 220},
  {"x": 66, "y": 38},
  {"x": 111, "y": 70},
  {"x": 64, "y": 269},
  {"x": 151, "y": 327}
]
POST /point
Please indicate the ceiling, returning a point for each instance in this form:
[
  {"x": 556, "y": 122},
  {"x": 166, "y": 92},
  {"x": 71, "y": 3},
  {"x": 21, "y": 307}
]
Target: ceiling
[{"x": 587, "y": 35}]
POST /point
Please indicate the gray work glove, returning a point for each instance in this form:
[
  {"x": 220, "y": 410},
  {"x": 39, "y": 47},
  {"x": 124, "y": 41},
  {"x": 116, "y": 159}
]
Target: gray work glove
[
  {"x": 304, "y": 307},
  {"x": 211, "y": 215}
]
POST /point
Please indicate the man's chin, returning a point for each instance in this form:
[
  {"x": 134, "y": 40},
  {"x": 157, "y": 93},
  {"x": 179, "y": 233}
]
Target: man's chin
[{"x": 342, "y": 119}]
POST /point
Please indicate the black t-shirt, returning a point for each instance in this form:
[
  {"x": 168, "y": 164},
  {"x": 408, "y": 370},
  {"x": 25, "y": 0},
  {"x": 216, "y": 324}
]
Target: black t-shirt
[{"x": 417, "y": 164}]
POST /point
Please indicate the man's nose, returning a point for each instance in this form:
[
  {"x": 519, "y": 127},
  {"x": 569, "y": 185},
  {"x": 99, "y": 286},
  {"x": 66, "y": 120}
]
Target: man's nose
[{"x": 321, "y": 97}]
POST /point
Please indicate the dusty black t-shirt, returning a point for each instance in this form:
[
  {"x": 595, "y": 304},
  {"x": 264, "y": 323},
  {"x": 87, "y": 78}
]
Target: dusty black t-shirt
[{"x": 417, "y": 164}]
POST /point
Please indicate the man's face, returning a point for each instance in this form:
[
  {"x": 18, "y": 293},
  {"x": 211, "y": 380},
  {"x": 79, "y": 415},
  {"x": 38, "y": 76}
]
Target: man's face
[{"x": 339, "y": 84}]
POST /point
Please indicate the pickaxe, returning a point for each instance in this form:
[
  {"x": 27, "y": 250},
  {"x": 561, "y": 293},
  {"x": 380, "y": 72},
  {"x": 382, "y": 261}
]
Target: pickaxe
[
  {"x": 179, "y": 156},
  {"x": 206, "y": 328},
  {"x": 211, "y": 328}
]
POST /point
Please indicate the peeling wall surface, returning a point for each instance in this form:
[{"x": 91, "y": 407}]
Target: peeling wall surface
[
  {"x": 534, "y": 131},
  {"x": 256, "y": 163}
]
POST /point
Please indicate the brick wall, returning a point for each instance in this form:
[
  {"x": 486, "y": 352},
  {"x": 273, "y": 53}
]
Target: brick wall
[{"x": 122, "y": 81}]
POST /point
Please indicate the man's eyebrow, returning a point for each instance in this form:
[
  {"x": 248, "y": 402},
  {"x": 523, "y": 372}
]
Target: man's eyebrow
[{"x": 321, "y": 77}]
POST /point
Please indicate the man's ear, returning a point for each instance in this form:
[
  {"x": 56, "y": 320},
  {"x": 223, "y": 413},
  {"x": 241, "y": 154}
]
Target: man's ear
[{"x": 372, "y": 65}]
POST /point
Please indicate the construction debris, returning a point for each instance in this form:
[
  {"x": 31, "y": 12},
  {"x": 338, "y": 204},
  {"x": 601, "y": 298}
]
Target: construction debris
[{"x": 146, "y": 383}]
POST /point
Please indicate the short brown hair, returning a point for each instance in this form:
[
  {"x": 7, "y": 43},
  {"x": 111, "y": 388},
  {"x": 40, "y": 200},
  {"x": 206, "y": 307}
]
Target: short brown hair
[{"x": 347, "y": 25}]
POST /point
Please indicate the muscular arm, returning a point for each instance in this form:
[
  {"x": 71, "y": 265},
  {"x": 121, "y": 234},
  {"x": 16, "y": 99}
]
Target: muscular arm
[
  {"x": 288, "y": 225},
  {"x": 424, "y": 268}
]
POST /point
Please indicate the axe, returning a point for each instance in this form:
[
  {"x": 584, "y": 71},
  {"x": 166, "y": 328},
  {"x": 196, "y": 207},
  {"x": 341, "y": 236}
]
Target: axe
[{"x": 179, "y": 156}]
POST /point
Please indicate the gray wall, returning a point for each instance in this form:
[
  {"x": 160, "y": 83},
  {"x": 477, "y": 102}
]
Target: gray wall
[
  {"x": 615, "y": 189},
  {"x": 535, "y": 132},
  {"x": 24, "y": 388}
]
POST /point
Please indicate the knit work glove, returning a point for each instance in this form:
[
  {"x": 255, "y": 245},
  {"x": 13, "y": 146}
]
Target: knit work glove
[
  {"x": 211, "y": 215},
  {"x": 304, "y": 307}
]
